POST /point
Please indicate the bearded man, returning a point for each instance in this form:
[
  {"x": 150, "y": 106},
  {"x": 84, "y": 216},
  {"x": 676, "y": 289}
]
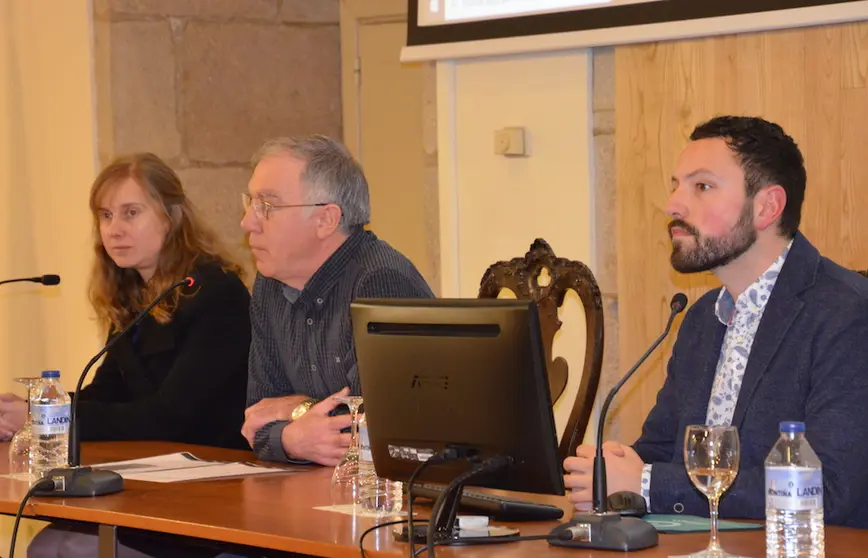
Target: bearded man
[{"x": 784, "y": 339}]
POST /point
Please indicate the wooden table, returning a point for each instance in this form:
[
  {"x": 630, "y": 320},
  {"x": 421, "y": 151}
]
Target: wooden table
[{"x": 275, "y": 512}]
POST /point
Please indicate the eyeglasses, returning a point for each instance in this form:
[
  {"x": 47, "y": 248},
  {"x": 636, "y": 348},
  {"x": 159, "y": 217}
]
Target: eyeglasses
[{"x": 262, "y": 208}]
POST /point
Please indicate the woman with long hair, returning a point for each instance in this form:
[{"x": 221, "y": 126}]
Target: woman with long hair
[{"x": 180, "y": 374}]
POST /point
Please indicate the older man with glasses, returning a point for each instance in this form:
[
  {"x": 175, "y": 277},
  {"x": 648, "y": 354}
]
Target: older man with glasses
[{"x": 305, "y": 210}]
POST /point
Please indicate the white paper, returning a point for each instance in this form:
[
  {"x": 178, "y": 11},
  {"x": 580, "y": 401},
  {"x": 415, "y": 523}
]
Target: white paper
[
  {"x": 349, "y": 509},
  {"x": 17, "y": 476},
  {"x": 183, "y": 466}
]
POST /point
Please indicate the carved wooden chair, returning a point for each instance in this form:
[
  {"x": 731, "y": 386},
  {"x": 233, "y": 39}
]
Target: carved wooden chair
[{"x": 521, "y": 276}]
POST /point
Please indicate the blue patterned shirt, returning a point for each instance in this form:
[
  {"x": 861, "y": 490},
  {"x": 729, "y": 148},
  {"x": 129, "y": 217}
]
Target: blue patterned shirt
[{"x": 742, "y": 318}]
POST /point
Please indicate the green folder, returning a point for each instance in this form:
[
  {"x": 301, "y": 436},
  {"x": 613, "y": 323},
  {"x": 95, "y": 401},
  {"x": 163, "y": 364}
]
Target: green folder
[{"x": 694, "y": 524}]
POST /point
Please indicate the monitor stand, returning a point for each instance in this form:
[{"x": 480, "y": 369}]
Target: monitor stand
[
  {"x": 446, "y": 530},
  {"x": 458, "y": 536}
]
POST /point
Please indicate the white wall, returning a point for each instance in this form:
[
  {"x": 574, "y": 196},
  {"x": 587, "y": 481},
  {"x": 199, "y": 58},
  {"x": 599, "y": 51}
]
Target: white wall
[
  {"x": 493, "y": 207},
  {"x": 47, "y": 163}
]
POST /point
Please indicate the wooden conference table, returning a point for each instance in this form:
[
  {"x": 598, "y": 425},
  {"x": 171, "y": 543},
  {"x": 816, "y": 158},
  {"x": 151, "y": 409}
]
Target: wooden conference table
[{"x": 276, "y": 512}]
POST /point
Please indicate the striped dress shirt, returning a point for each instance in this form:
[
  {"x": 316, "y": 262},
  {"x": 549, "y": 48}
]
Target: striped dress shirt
[{"x": 302, "y": 340}]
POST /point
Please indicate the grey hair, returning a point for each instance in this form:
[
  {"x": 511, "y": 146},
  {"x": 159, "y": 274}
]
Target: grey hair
[{"x": 331, "y": 175}]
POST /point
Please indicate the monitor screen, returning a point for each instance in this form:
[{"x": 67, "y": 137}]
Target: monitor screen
[
  {"x": 438, "y": 12},
  {"x": 465, "y": 373},
  {"x": 588, "y": 23}
]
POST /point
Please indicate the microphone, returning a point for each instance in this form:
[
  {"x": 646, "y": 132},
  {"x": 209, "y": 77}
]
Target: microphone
[
  {"x": 85, "y": 481},
  {"x": 47, "y": 280},
  {"x": 602, "y": 529}
]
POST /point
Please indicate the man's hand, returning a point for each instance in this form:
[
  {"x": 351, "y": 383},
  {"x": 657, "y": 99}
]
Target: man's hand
[
  {"x": 13, "y": 414},
  {"x": 623, "y": 472},
  {"x": 316, "y": 436},
  {"x": 268, "y": 410}
]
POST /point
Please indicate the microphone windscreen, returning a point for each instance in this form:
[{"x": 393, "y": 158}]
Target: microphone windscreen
[
  {"x": 679, "y": 302},
  {"x": 51, "y": 280}
]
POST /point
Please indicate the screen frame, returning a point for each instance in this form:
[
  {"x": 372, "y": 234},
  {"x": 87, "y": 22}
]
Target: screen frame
[
  {"x": 408, "y": 405},
  {"x": 609, "y": 25}
]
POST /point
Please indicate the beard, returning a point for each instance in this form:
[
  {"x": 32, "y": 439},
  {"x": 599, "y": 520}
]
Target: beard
[{"x": 709, "y": 253}]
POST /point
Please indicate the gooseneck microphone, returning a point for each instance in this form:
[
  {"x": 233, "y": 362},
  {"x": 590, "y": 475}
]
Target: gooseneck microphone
[
  {"x": 602, "y": 529},
  {"x": 677, "y": 305},
  {"x": 84, "y": 481},
  {"x": 47, "y": 280}
]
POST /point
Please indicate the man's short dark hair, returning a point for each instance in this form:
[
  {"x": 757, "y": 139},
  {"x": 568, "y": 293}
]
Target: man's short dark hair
[{"x": 768, "y": 156}]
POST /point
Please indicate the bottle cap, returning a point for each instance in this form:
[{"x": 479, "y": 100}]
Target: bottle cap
[
  {"x": 51, "y": 373},
  {"x": 792, "y": 427}
]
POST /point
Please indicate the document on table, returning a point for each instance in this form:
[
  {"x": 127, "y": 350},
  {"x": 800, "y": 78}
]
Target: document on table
[{"x": 184, "y": 466}]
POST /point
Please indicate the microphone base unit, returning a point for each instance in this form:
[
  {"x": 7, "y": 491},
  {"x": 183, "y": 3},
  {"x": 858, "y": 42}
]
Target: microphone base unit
[
  {"x": 74, "y": 482},
  {"x": 605, "y": 531}
]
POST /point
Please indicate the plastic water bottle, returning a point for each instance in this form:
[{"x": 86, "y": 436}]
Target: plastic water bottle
[
  {"x": 376, "y": 494},
  {"x": 794, "y": 497},
  {"x": 49, "y": 411}
]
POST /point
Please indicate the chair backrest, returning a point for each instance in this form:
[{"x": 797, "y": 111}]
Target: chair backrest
[{"x": 522, "y": 277}]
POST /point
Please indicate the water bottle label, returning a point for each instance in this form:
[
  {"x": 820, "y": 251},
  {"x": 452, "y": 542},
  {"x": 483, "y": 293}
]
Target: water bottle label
[
  {"x": 365, "y": 445},
  {"x": 794, "y": 488},
  {"x": 50, "y": 419}
]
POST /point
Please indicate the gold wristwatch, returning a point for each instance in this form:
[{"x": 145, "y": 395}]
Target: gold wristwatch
[{"x": 301, "y": 409}]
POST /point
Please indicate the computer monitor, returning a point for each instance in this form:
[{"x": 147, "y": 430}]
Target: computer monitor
[{"x": 466, "y": 372}]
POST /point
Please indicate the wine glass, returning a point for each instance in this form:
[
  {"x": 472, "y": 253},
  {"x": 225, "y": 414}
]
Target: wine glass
[
  {"x": 711, "y": 455},
  {"x": 19, "y": 447},
  {"x": 346, "y": 478}
]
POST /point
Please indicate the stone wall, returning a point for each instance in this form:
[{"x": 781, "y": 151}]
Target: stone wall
[
  {"x": 202, "y": 83},
  {"x": 431, "y": 179},
  {"x": 605, "y": 228}
]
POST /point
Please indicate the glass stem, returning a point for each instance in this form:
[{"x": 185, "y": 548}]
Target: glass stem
[
  {"x": 354, "y": 428},
  {"x": 713, "y": 544}
]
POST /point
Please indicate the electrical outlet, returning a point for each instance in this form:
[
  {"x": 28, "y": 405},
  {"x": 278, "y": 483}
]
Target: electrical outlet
[{"x": 509, "y": 141}]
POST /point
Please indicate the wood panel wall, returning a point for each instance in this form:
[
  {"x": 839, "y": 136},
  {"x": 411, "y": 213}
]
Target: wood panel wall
[{"x": 812, "y": 81}]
